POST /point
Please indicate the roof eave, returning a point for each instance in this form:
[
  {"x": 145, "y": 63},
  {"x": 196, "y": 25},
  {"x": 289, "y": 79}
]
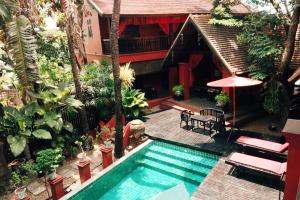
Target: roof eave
[
  {"x": 94, "y": 5},
  {"x": 211, "y": 46}
]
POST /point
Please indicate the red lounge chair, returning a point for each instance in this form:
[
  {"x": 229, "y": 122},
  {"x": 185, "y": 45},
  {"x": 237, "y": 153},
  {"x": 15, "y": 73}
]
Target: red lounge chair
[
  {"x": 263, "y": 145},
  {"x": 257, "y": 164}
]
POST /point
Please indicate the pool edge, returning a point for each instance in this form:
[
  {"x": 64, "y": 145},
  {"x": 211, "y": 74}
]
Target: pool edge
[{"x": 104, "y": 171}]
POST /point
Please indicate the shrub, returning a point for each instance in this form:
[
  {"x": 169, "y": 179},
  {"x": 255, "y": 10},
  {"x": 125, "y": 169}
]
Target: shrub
[
  {"x": 133, "y": 102},
  {"x": 23, "y": 175},
  {"x": 49, "y": 159},
  {"x": 178, "y": 90},
  {"x": 222, "y": 98}
]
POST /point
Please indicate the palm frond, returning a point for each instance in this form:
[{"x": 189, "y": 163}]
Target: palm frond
[
  {"x": 23, "y": 46},
  {"x": 6, "y": 9}
]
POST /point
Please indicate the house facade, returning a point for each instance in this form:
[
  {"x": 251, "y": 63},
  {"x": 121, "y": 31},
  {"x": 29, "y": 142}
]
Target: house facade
[{"x": 149, "y": 34}]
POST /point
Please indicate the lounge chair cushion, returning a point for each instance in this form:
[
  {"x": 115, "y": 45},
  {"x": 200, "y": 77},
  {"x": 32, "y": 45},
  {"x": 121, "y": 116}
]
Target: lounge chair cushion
[
  {"x": 262, "y": 164},
  {"x": 262, "y": 144}
]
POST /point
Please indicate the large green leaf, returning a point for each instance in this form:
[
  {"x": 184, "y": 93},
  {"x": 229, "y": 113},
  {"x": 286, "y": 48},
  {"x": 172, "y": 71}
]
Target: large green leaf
[
  {"x": 42, "y": 134},
  {"x": 26, "y": 133},
  {"x": 68, "y": 126},
  {"x": 17, "y": 144},
  {"x": 74, "y": 103}
]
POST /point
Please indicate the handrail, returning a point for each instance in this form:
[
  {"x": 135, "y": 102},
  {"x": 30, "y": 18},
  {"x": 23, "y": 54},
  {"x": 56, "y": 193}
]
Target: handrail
[{"x": 139, "y": 44}]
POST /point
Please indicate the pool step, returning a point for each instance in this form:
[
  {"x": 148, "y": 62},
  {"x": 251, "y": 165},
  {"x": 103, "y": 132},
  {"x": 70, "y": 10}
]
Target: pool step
[
  {"x": 186, "y": 166},
  {"x": 174, "y": 172},
  {"x": 183, "y": 154},
  {"x": 201, "y": 162}
]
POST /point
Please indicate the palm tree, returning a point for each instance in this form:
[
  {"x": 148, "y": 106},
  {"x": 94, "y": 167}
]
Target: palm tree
[
  {"x": 75, "y": 41},
  {"x": 119, "y": 151}
]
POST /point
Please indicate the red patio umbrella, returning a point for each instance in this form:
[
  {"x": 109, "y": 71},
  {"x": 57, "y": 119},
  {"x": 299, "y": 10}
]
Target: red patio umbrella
[{"x": 234, "y": 82}]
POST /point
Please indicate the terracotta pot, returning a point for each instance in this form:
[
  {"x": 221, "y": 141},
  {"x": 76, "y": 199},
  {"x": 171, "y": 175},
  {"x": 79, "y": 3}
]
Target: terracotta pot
[
  {"x": 108, "y": 144},
  {"x": 137, "y": 128},
  {"x": 52, "y": 175},
  {"x": 21, "y": 193},
  {"x": 81, "y": 157}
]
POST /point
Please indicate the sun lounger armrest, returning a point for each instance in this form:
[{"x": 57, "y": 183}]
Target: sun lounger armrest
[{"x": 284, "y": 147}]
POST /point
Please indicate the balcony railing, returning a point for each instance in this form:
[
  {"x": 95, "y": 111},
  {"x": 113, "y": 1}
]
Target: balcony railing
[{"x": 139, "y": 44}]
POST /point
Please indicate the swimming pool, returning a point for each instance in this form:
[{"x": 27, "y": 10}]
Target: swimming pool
[{"x": 156, "y": 167}]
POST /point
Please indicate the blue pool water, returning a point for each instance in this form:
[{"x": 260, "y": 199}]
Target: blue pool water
[{"x": 155, "y": 168}]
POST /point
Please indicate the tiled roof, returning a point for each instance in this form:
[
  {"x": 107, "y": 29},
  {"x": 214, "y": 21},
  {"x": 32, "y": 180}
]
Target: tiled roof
[
  {"x": 222, "y": 40},
  {"x": 162, "y": 7},
  {"x": 296, "y": 58}
]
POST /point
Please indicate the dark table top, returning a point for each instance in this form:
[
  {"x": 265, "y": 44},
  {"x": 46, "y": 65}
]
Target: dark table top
[{"x": 203, "y": 118}]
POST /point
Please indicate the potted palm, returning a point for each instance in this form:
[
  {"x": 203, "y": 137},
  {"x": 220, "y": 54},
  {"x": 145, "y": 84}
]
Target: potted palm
[
  {"x": 222, "y": 100},
  {"x": 81, "y": 156},
  {"x": 22, "y": 177},
  {"x": 178, "y": 92},
  {"x": 106, "y": 134}
]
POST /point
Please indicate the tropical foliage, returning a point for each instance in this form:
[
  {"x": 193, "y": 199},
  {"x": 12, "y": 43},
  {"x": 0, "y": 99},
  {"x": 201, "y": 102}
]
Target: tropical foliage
[
  {"x": 23, "y": 46},
  {"x": 17, "y": 125},
  {"x": 49, "y": 159},
  {"x": 178, "y": 90},
  {"x": 269, "y": 38},
  {"x": 134, "y": 102},
  {"x": 221, "y": 14},
  {"x": 24, "y": 174}
]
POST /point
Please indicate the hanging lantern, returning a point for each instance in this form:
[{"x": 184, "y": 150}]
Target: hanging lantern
[
  {"x": 181, "y": 38},
  {"x": 199, "y": 39}
]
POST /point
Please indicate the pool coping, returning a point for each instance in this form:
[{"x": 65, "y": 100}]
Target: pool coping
[
  {"x": 186, "y": 145},
  {"x": 104, "y": 171}
]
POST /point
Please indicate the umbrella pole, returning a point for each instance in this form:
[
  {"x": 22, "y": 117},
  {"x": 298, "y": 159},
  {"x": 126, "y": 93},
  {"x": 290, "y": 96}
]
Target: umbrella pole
[{"x": 233, "y": 122}]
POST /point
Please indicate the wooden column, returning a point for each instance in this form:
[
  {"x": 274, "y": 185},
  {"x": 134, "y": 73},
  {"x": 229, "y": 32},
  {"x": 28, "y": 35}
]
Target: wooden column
[
  {"x": 184, "y": 79},
  {"x": 106, "y": 156},
  {"x": 173, "y": 78},
  {"x": 292, "y": 134},
  {"x": 57, "y": 187},
  {"x": 84, "y": 170}
]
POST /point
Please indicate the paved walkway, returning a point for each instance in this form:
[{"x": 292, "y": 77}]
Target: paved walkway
[{"x": 220, "y": 184}]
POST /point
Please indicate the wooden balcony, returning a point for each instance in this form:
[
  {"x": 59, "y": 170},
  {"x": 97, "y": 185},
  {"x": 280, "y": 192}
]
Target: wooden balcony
[{"x": 139, "y": 44}]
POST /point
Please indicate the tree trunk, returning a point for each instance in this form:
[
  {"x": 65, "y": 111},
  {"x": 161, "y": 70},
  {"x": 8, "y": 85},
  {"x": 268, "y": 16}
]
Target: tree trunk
[
  {"x": 3, "y": 164},
  {"x": 289, "y": 44},
  {"x": 82, "y": 112},
  {"x": 27, "y": 150},
  {"x": 119, "y": 151}
]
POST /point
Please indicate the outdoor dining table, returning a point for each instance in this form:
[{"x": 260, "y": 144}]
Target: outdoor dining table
[{"x": 202, "y": 119}]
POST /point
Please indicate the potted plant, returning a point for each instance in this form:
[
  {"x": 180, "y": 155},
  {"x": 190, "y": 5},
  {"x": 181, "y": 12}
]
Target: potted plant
[
  {"x": 222, "y": 100},
  {"x": 137, "y": 127},
  {"x": 48, "y": 160},
  {"x": 81, "y": 156},
  {"x": 178, "y": 92},
  {"x": 22, "y": 177},
  {"x": 106, "y": 134}
]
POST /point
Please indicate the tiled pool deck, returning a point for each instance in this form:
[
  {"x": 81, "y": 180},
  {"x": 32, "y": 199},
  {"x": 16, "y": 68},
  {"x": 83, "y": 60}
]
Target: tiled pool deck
[{"x": 221, "y": 183}]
